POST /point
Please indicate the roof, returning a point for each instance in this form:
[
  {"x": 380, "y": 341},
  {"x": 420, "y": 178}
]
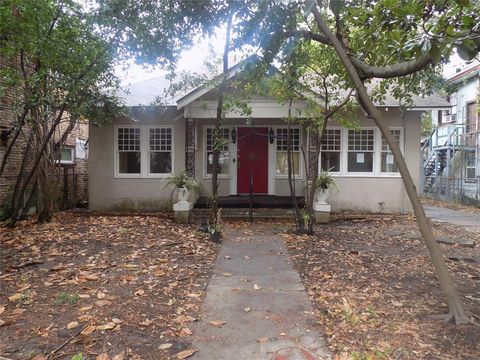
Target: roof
[
  {"x": 418, "y": 101},
  {"x": 155, "y": 90},
  {"x": 465, "y": 74},
  {"x": 146, "y": 92}
]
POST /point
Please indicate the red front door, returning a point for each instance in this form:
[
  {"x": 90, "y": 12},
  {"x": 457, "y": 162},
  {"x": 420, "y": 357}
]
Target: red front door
[{"x": 252, "y": 160}]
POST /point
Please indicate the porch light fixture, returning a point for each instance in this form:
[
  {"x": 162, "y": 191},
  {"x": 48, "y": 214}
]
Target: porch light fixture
[
  {"x": 271, "y": 135},
  {"x": 234, "y": 135}
]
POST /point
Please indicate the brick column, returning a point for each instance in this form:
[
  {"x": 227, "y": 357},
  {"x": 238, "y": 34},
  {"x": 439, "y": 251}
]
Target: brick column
[
  {"x": 190, "y": 147},
  {"x": 311, "y": 152}
]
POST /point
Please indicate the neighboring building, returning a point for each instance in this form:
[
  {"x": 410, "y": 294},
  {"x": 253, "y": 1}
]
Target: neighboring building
[
  {"x": 73, "y": 156},
  {"x": 130, "y": 159},
  {"x": 451, "y": 156}
]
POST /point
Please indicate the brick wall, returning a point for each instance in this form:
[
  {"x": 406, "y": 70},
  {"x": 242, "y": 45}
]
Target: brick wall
[{"x": 76, "y": 174}]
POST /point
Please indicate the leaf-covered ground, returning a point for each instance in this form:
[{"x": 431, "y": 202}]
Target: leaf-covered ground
[
  {"x": 374, "y": 289},
  {"x": 106, "y": 287}
]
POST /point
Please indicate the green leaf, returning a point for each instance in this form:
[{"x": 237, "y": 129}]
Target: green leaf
[
  {"x": 467, "y": 50},
  {"x": 436, "y": 53},
  {"x": 78, "y": 356},
  {"x": 426, "y": 46}
]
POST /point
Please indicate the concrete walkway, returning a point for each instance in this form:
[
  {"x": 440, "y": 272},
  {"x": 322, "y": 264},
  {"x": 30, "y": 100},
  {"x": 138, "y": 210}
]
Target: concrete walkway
[
  {"x": 470, "y": 221},
  {"x": 256, "y": 307}
]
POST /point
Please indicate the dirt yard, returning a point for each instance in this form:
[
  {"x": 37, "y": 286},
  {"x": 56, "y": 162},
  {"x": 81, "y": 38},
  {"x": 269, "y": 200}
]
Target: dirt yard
[
  {"x": 104, "y": 287},
  {"x": 374, "y": 290}
]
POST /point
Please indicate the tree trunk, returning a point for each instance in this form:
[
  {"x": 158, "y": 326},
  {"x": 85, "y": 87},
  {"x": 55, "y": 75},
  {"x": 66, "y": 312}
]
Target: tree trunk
[
  {"x": 456, "y": 313},
  {"x": 217, "y": 137}
]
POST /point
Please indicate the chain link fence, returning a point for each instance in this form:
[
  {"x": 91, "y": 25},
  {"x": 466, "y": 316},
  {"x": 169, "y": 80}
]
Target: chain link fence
[{"x": 454, "y": 189}]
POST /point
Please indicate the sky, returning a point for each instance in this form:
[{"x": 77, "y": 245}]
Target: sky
[{"x": 193, "y": 60}]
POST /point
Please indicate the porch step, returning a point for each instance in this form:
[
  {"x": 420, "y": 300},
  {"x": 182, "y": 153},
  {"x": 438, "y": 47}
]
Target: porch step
[
  {"x": 244, "y": 213},
  {"x": 258, "y": 202}
]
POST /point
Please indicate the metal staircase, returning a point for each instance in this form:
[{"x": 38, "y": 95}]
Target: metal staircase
[{"x": 439, "y": 153}]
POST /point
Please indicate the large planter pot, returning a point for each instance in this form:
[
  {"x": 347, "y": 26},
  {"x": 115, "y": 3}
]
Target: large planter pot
[
  {"x": 183, "y": 195},
  {"x": 321, "y": 196}
]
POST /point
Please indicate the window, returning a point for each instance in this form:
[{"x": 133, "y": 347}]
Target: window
[
  {"x": 81, "y": 149},
  {"x": 224, "y": 156},
  {"x": 361, "y": 146},
  {"x": 65, "y": 155},
  {"x": 470, "y": 166},
  {"x": 387, "y": 163},
  {"x": 144, "y": 151},
  {"x": 331, "y": 150},
  {"x": 160, "y": 150},
  {"x": 282, "y": 151},
  {"x": 129, "y": 153}
]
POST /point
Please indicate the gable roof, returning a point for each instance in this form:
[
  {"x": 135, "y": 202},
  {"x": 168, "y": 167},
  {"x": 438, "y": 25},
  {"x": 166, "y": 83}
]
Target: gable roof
[
  {"x": 148, "y": 91},
  {"x": 465, "y": 74}
]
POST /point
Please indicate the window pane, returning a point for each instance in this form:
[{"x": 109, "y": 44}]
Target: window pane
[
  {"x": 361, "y": 140},
  {"x": 330, "y": 161},
  {"x": 388, "y": 165},
  {"x": 282, "y": 139},
  {"x": 360, "y": 162},
  {"x": 160, "y": 162},
  {"x": 129, "y": 139},
  {"x": 66, "y": 155},
  {"x": 332, "y": 139},
  {"x": 282, "y": 163},
  {"x": 129, "y": 162},
  {"x": 223, "y": 161}
]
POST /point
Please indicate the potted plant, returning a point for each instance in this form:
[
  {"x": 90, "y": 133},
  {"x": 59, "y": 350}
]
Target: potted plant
[
  {"x": 185, "y": 184},
  {"x": 323, "y": 186}
]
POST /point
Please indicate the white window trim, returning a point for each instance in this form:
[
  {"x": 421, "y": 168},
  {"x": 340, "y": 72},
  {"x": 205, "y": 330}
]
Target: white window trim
[
  {"x": 376, "y": 173},
  {"x": 274, "y": 153},
  {"x": 401, "y": 144},
  {"x": 231, "y": 150},
  {"x": 144, "y": 153},
  {"x": 72, "y": 151},
  {"x": 376, "y": 148},
  {"x": 342, "y": 146}
]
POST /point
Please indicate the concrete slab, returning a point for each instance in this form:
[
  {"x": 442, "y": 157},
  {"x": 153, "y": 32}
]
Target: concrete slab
[
  {"x": 455, "y": 217},
  {"x": 279, "y": 323}
]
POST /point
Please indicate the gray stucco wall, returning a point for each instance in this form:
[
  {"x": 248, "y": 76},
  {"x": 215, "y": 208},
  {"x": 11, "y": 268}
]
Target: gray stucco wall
[
  {"x": 365, "y": 193},
  {"x": 107, "y": 192}
]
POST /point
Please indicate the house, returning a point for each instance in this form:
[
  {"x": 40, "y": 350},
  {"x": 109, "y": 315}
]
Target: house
[
  {"x": 130, "y": 159},
  {"x": 72, "y": 157},
  {"x": 451, "y": 155}
]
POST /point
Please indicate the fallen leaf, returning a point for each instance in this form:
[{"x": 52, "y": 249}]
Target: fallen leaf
[
  {"x": 15, "y": 297},
  {"x": 103, "y": 303},
  {"x": 2, "y": 309},
  {"x": 263, "y": 339},
  {"x": 103, "y": 356},
  {"x": 88, "y": 330},
  {"x": 184, "y": 332},
  {"x": 257, "y": 287},
  {"x": 140, "y": 292},
  {"x": 228, "y": 257},
  {"x": 217, "y": 322},
  {"x": 227, "y": 274},
  {"x": 247, "y": 257},
  {"x": 146, "y": 322},
  {"x": 120, "y": 356},
  {"x": 165, "y": 346},
  {"x": 23, "y": 287},
  {"x": 85, "y": 308},
  {"x": 185, "y": 353},
  {"x": 72, "y": 325},
  {"x": 18, "y": 311},
  {"x": 247, "y": 309},
  {"x": 107, "y": 326}
]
